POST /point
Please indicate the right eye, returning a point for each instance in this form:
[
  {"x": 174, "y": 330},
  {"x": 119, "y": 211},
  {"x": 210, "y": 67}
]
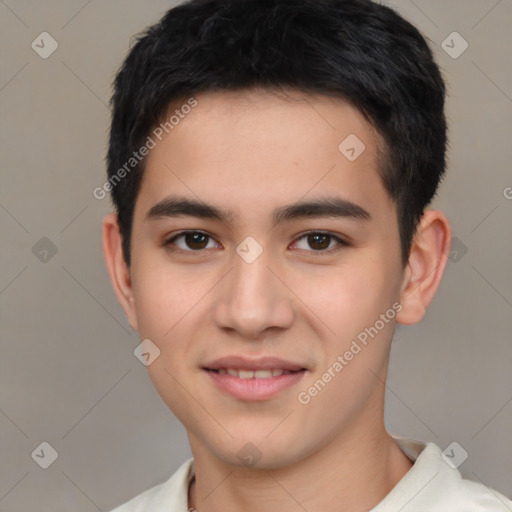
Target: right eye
[{"x": 193, "y": 241}]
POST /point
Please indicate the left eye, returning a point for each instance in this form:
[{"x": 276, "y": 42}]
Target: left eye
[{"x": 320, "y": 241}]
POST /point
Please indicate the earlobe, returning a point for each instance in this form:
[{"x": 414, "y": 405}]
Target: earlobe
[
  {"x": 427, "y": 260},
  {"x": 117, "y": 268}
]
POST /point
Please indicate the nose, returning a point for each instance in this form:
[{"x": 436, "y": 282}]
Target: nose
[{"x": 253, "y": 299}]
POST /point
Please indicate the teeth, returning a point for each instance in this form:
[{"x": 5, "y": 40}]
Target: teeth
[
  {"x": 252, "y": 374},
  {"x": 263, "y": 374}
]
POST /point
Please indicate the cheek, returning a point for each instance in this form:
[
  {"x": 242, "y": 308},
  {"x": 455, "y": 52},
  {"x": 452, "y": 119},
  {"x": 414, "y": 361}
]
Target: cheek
[
  {"x": 166, "y": 305},
  {"x": 163, "y": 296},
  {"x": 347, "y": 298},
  {"x": 169, "y": 302},
  {"x": 349, "y": 302}
]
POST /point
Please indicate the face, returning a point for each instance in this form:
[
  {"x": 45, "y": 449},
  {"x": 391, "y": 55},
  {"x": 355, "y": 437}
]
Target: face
[{"x": 256, "y": 282}]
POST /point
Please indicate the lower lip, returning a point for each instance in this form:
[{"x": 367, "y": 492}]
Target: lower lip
[{"x": 255, "y": 389}]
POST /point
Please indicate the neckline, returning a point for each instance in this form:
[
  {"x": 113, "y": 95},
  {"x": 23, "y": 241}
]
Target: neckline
[{"x": 411, "y": 448}]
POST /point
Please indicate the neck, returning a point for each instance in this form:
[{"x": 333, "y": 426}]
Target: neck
[{"x": 353, "y": 473}]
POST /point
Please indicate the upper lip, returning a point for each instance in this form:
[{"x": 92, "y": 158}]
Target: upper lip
[{"x": 260, "y": 363}]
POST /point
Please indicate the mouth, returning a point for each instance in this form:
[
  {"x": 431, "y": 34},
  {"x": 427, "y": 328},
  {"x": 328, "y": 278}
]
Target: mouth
[
  {"x": 254, "y": 380},
  {"x": 251, "y": 379},
  {"x": 253, "y": 374}
]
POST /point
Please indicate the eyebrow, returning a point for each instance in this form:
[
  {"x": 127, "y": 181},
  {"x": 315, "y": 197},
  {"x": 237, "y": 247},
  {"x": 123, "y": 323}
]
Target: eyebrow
[{"x": 318, "y": 208}]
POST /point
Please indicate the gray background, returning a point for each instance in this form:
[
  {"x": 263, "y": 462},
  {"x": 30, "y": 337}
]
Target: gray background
[{"x": 68, "y": 375}]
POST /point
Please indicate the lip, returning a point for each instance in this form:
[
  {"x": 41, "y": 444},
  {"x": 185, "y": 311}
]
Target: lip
[
  {"x": 254, "y": 389},
  {"x": 260, "y": 363}
]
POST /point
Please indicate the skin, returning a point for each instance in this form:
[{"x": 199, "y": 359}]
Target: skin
[{"x": 250, "y": 152}]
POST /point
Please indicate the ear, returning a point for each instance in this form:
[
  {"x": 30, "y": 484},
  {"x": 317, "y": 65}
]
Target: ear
[
  {"x": 118, "y": 270},
  {"x": 427, "y": 260}
]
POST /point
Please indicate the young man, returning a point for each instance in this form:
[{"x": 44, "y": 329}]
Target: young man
[{"x": 271, "y": 162}]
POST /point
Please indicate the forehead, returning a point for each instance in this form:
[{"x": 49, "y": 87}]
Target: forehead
[{"x": 259, "y": 147}]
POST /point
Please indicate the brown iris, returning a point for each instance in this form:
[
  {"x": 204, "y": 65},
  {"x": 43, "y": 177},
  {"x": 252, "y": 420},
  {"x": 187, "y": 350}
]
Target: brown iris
[
  {"x": 195, "y": 240},
  {"x": 313, "y": 241}
]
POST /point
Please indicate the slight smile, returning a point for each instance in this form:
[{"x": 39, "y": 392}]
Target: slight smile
[{"x": 254, "y": 379}]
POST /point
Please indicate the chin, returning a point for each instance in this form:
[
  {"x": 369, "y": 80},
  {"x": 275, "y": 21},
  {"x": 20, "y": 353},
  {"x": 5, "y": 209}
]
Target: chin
[{"x": 260, "y": 452}]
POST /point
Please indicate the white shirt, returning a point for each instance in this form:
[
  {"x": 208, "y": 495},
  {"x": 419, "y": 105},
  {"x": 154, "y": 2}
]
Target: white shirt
[{"x": 431, "y": 485}]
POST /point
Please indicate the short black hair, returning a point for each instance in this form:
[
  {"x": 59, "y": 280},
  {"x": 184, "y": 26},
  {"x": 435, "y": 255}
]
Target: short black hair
[{"x": 356, "y": 50}]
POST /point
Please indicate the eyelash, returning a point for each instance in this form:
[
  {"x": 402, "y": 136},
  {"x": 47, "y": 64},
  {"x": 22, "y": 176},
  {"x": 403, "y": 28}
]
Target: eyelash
[{"x": 341, "y": 243}]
